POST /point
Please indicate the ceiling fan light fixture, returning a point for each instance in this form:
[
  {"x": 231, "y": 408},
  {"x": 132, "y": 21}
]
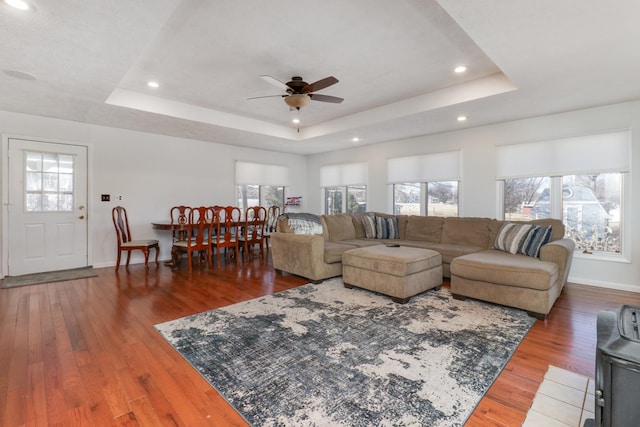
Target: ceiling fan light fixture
[{"x": 297, "y": 100}]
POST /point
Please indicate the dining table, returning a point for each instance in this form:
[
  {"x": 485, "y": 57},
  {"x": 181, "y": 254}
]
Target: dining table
[{"x": 181, "y": 228}]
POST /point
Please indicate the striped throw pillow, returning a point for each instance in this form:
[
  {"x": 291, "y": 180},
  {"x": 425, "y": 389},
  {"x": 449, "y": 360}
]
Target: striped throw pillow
[
  {"x": 386, "y": 228},
  {"x": 369, "y": 225},
  {"x": 538, "y": 236},
  {"x": 511, "y": 237}
]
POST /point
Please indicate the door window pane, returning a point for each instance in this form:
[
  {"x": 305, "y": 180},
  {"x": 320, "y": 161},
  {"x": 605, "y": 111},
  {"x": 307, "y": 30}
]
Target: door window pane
[{"x": 48, "y": 182}]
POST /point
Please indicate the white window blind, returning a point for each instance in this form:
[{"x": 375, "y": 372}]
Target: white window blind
[
  {"x": 343, "y": 174},
  {"x": 261, "y": 174},
  {"x": 606, "y": 152},
  {"x": 428, "y": 167}
]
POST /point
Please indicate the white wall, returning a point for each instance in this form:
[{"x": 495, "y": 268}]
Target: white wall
[
  {"x": 478, "y": 195},
  {"x": 154, "y": 172},
  {"x": 151, "y": 172}
]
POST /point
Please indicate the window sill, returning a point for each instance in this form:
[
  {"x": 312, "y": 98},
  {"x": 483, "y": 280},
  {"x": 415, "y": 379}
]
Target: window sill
[{"x": 601, "y": 256}]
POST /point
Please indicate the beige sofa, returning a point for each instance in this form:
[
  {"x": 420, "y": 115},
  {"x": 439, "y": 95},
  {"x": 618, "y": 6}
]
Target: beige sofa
[{"x": 466, "y": 245}]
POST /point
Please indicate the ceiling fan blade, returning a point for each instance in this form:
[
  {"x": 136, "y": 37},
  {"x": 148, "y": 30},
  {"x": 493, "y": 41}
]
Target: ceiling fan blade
[
  {"x": 325, "y": 98},
  {"x": 267, "y": 96},
  {"x": 275, "y": 82},
  {"x": 320, "y": 84}
]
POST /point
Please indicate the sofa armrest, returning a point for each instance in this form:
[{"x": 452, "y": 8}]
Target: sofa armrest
[
  {"x": 560, "y": 252},
  {"x": 299, "y": 254}
]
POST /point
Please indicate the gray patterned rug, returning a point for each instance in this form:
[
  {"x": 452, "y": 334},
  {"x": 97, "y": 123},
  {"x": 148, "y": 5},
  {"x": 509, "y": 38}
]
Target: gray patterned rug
[{"x": 321, "y": 355}]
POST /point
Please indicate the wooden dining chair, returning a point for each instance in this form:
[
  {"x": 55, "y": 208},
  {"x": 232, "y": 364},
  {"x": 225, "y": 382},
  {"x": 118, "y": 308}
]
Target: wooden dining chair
[
  {"x": 179, "y": 215},
  {"x": 126, "y": 242},
  {"x": 272, "y": 219},
  {"x": 199, "y": 222},
  {"x": 255, "y": 220},
  {"x": 226, "y": 222}
]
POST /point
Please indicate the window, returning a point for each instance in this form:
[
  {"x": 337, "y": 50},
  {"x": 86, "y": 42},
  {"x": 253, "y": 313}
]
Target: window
[
  {"x": 260, "y": 184},
  {"x": 350, "y": 199},
  {"x": 439, "y": 198},
  {"x": 48, "y": 182},
  {"x": 590, "y": 206},
  {"x": 426, "y": 184},
  {"x": 583, "y": 183},
  {"x": 344, "y": 188},
  {"x": 263, "y": 195}
]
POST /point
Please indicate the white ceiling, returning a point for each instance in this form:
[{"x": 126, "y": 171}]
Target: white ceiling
[{"x": 394, "y": 61}]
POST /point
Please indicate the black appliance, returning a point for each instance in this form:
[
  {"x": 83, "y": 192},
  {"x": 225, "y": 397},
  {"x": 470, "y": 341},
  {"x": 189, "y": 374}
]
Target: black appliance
[{"x": 617, "y": 383}]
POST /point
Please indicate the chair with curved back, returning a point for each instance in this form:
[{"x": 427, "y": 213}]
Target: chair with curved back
[
  {"x": 179, "y": 215},
  {"x": 225, "y": 236},
  {"x": 126, "y": 243},
  {"x": 272, "y": 219},
  {"x": 199, "y": 222},
  {"x": 255, "y": 220}
]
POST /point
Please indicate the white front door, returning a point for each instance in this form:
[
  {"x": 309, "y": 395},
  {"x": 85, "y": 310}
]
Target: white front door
[{"x": 47, "y": 207}]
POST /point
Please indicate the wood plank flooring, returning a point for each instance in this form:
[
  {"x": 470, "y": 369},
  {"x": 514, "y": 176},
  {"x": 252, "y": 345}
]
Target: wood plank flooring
[{"x": 84, "y": 352}]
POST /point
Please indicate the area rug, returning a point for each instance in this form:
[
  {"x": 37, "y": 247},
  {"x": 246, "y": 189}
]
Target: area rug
[
  {"x": 321, "y": 355},
  {"x": 47, "y": 277}
]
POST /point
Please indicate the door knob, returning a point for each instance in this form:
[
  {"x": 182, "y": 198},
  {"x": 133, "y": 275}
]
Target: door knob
[{"x": 81, "y": 217}]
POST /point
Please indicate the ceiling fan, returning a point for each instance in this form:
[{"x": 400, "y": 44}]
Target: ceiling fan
[{"x": 298, "y": 93}]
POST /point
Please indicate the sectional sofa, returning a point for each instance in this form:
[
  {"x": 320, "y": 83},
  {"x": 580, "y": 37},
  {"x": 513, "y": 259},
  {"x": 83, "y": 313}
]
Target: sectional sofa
[{"x": 483, "y": 257}]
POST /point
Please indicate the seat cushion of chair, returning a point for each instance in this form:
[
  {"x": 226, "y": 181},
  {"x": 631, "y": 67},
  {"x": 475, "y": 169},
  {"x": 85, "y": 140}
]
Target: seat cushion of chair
[
  {"x": 135, "y": 243},
  {"x": 186, "y": 243}
]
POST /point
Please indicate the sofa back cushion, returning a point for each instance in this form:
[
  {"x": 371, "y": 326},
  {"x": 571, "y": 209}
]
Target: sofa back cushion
[
  {"x": 340, "y": 227},
  {"x": 424, "y": 228},
  {"x": 467, "y": 231},
  {"x": 359, "y": 224}
]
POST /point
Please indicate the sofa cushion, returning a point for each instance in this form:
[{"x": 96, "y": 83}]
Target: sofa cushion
[
  {"x": 369, "y": 226},
  {"x": 386, "y": 228},
  {"x": 503, "y": 268},
  {"x": 340, "y": 227},
  {"x": 536, "y": 238},
  {"x": 361, "y": 243},
  {"x": 333, "y": 251},
  {"x": 402, "y": 222},
  {"x": 467, "y": 231},
  {"x": 511, "y": 237},
  {"x": 358, "y": 225},
  {"x": 424, "y": 228},
  {"x": 557, "y": 227}
]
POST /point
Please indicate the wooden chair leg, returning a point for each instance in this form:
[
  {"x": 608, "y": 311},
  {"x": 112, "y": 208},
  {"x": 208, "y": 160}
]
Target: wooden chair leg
[
  {"x": 118, "y": 260},
  {"x": 146, "y": 258},
  {"x": 157, "y": 254},
  {"x": 128, "y": 258}
]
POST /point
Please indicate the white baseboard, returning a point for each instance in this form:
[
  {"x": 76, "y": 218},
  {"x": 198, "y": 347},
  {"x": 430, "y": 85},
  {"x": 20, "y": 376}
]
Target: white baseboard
[{"x": 601, "y": 284}]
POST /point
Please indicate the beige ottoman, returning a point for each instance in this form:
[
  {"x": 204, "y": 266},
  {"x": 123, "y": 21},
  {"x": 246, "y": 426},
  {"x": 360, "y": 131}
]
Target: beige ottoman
[{"x": 398, "y": 271}]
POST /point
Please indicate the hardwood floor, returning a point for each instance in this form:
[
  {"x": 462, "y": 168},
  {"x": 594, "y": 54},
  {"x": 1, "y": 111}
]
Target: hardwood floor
[{"x": 84, "y": 352}]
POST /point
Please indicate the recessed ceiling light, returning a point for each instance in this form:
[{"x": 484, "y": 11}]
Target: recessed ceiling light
[
  {"x": 462, "y": 118},
  {"x": 153, "y": 84},
  {"x": 296, "y": 120},
  {"x": 355, "y": 139},
  {"x": 460, "y": 69},
  {"x": 18, "y": 4}
]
